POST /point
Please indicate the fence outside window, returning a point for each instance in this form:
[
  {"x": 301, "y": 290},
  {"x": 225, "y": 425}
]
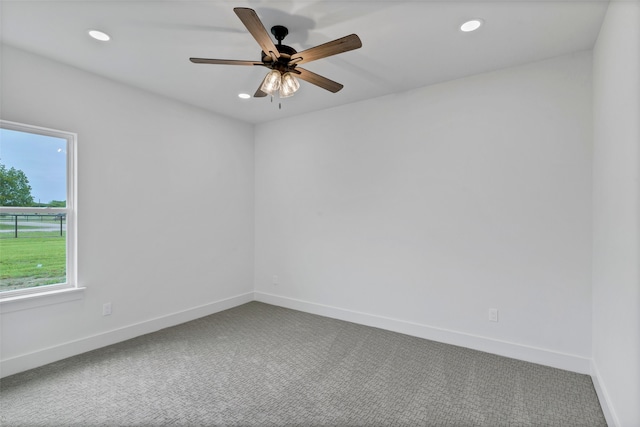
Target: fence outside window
[{"x": 32, "y": 225}]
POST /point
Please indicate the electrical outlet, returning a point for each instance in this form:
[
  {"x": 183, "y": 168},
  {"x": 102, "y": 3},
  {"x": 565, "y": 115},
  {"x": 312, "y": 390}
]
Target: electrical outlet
[
  {"x": 106, "y": 309},
  {"x": 275, "y": 280},
  {"x": 493, "y": 315}
]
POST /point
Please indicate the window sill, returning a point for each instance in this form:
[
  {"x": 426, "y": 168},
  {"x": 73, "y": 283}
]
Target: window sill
[{"x": 25, "y": 302}]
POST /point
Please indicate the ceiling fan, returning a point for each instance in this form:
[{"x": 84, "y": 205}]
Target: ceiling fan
[{"x": 283, "y": 60}]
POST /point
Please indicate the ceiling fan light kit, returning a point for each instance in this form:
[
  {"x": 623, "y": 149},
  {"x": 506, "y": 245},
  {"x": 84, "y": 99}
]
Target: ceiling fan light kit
[
  {"x": 289, "y": 85},
  {"x": 271, "y": 82},
  {"x": 283, "y": 60}
]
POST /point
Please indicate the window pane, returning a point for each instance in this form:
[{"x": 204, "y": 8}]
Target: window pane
[
  {"x": 33, "y": 168},
  {"x": 33, "y": 244},
  {"x": 32, "y": 250}
]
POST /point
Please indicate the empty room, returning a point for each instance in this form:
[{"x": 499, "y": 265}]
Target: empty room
[{"x": 337, "y": 213}]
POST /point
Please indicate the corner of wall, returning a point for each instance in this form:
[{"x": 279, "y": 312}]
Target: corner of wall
[
  {"x": 615, "y": 365},
  {"x": 603, "y": 396}
]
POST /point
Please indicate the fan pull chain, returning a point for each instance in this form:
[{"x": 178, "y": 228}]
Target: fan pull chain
[{"x": 279, "y": 103}]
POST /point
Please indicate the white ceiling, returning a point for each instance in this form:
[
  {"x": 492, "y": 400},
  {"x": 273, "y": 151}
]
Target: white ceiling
[{"x": 406, "y": 44}]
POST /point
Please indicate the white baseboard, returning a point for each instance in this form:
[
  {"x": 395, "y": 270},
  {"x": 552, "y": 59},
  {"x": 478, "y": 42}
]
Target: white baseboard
[
  {"x": 603, "y": 396},
  {"x": 517, "y": 351},
  {"x": 540, "y": 356},
  {"x": 52, "y": 354}
]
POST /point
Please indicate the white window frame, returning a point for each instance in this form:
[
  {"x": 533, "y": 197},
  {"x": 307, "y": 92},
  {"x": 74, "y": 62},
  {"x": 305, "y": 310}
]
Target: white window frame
[{"x": 70, "y": 212}]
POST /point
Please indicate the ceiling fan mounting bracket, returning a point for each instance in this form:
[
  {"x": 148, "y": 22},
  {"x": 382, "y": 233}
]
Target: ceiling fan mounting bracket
[{"x": 279, "y": 32}]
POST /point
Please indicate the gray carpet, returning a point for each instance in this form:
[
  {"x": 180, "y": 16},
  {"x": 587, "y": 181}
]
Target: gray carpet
[{"x": 260, "y": 365}]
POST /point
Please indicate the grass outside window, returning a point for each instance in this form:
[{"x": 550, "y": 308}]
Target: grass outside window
[{"x": 31, "y": 261}]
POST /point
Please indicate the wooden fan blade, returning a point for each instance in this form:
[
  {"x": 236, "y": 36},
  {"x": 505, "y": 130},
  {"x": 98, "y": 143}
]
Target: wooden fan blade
[
  {"x": 223, "y": 61},
  {"x": 318, "y": 80},
  {"x": 250, "y": 20},
  {"x": 343, "y": 44},
  {"x": 259, "y": 93}
]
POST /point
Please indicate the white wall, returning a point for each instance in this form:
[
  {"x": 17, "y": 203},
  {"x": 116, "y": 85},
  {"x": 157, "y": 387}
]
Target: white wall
[
  {"x": 165, "y": 208},
  {"x": 421, "y": 210},
  {"x": 417, "y": 211},
  {"x": 616, "y": 207}
]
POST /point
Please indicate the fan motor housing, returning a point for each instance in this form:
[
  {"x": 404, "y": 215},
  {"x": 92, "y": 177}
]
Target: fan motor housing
[
  {"x": 282, "y": 64},
  {"x": 285, "y": 50}
]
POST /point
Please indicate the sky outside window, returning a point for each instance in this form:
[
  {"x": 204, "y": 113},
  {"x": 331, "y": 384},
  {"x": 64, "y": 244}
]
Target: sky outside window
[{"x": 43, "y": 159}]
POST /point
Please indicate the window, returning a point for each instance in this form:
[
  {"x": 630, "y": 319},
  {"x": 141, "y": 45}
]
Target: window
[{"x": 37, "y": 210}]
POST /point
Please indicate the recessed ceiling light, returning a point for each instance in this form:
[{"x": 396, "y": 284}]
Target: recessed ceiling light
[
  {"x": 471, "y": 25},
  {"x": 99, "y": 35},
  {"x": 244, "y": 95}
]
